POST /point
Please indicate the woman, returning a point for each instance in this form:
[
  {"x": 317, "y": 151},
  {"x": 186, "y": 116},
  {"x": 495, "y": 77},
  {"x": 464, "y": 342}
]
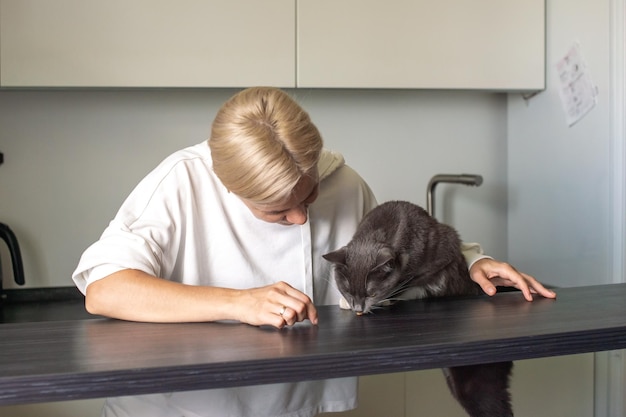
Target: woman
[{"x": 234, "y": 229}]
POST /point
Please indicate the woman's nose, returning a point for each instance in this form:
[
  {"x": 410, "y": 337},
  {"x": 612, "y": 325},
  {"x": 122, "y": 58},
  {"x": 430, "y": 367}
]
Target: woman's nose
[{"x": 297, "y": 215}]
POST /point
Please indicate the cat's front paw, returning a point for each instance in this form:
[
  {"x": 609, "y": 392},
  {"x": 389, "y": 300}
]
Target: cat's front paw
[{"x": 343, "y": 304}]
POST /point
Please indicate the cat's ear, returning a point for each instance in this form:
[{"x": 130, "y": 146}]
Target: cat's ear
[
  {"x": 385, "y": 260},
  {"x": 337, "y": 257},
  {"x": 388, "y": 258}
]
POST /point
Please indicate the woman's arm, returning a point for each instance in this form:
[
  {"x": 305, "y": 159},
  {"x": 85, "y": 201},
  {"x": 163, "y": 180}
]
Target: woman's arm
[{"x": 137, "y": 296}]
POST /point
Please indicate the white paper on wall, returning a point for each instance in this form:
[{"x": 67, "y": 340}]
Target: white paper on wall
[{"x": 577, "y": 90}]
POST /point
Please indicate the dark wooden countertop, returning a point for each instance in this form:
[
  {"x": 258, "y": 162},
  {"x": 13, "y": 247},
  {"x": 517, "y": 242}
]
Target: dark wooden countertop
[{"x": 89, "y": 358}]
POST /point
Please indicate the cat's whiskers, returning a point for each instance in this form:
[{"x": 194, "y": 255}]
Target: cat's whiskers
[
  {"x": 399, "y": 288},
  {"x": 391, "y": 297},
  {"x": 328, "y": 280},
  {"x": 372, "y": 308}
]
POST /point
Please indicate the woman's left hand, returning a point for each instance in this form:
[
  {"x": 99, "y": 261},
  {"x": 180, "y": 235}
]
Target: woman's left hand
[{"x": 489, "y": 273}]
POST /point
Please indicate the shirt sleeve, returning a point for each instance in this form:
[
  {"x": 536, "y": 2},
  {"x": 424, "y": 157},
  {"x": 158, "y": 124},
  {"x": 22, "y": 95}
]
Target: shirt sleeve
[
  {"x": 473, "y": 253},
  {"x": 128, "y": 250}
]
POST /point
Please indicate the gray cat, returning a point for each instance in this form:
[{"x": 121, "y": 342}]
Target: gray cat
[{"x": 400, "y": 252}]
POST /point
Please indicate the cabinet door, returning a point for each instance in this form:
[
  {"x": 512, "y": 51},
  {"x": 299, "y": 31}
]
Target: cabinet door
[
  {"x": 460, "y": 44},
  {"x": 147, "y": 43}
]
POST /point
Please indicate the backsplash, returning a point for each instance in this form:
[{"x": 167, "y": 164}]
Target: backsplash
[{"x": 72, "y": 156}]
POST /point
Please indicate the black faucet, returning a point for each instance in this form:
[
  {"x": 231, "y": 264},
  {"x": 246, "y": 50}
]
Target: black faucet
[{"x": 8, "y": 236}]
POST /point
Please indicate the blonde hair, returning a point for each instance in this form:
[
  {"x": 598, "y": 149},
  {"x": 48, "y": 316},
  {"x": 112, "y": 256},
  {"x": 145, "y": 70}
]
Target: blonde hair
[{"x": 262, "y": 143}]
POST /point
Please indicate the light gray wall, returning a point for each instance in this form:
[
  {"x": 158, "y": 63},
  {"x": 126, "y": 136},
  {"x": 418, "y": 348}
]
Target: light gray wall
[
  {"x": 559, "y": 176},
  {"x": 566, "y": 184},
  {"x": 72, "y": 156}
]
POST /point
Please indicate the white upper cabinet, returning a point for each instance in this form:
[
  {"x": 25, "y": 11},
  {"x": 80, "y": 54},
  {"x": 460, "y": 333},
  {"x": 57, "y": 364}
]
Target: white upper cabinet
[
  {"x": 443, "y": 44},
  {"x": 147, "y": 43},
  {"x": 447, "y": 44}
]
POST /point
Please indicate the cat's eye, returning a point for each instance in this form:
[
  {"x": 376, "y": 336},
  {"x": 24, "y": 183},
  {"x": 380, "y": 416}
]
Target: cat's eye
[
  {"x": 373, "y": 295},
  {"x": 387, "y": 267}
]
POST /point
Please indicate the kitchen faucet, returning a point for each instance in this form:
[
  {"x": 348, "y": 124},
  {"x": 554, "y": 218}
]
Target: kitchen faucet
[
  {"x": 467, "y": 179},
  {"x": 7, "y": 235}
]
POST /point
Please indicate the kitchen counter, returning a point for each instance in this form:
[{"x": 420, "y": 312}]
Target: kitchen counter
[
  {"x": 42, "y": 304},
  {"x": 95, "y": 357}
]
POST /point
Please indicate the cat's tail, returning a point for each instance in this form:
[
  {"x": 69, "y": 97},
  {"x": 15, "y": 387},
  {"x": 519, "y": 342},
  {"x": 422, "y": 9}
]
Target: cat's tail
[{"x": 482, "y": 390}]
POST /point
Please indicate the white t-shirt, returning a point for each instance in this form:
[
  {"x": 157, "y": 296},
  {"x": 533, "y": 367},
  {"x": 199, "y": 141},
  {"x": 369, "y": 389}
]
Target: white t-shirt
[{"x": 180, "y": 223}]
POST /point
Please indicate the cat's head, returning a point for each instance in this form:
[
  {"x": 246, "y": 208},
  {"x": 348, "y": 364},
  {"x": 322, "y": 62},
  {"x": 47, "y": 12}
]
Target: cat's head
[{"x": 367, "y": 275}]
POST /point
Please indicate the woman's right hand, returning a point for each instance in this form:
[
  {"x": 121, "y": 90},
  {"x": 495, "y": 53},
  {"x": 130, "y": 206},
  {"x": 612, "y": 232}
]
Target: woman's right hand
[{"x": 277, "y": 304}]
